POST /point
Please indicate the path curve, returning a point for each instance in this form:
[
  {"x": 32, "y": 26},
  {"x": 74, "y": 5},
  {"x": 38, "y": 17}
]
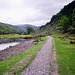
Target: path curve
[{"x": 41, "y": 64}]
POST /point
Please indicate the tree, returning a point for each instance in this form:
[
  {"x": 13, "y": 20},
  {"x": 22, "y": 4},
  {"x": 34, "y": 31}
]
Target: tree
[
  {"x": 30, "y": 30},
  {"x": 73, "y": 19},
  {"x": 19, "y": 31},
  {"x": 64, "y": 23}
]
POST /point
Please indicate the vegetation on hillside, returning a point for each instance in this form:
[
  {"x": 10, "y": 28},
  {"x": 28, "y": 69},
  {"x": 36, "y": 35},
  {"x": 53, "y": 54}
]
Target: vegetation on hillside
[
  {"x": 67, "y": 10},
  {"x": 8, "y": 30},
  {"x": 63, "y": 21},
  {"x": 67, "y": 24}
]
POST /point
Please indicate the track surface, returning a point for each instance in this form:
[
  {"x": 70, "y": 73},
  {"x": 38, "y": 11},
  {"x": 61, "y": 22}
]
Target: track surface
[{"x": 41, "y": 64}]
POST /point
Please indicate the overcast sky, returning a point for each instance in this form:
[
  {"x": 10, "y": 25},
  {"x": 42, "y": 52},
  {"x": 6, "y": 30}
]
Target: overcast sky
[{"x": 35, "y": 12}]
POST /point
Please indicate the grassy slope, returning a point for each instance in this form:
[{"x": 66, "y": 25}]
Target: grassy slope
[
  {"x": 65, "y": 55},
  {"x": 18, "y": 63}
]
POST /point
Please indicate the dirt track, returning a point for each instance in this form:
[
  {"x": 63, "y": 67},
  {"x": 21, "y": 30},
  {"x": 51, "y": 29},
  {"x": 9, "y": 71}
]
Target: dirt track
[{"x": 41, "y": 64}]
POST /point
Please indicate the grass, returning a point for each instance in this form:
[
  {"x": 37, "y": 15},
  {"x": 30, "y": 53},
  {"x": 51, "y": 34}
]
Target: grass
[
  {"x": 65, "y": 56},
  {"x": 60, "y": 34},
  {"x": 10, "y": 36},
  {"x": 52, "y": 63},
  {"x": 18, "y": 63}
]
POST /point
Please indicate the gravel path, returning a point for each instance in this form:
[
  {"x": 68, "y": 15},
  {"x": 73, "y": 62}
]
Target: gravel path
[{"x": 41, "y": 64}]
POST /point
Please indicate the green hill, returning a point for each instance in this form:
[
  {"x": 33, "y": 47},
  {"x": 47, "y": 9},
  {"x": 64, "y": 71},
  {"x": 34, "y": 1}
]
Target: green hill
[
  {"x": 4, "y": 29},
  {"x": 20, "y": 29},
  {"x": 55, "y": 25}
]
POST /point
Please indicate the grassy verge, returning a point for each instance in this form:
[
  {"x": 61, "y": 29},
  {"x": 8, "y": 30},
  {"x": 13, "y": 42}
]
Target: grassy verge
[
  {"x": 17, "y": 64},
  {"x": 65, "y": 56},
  {"x": 52, "y": 62},
  {"x": 10, "y": 36}
]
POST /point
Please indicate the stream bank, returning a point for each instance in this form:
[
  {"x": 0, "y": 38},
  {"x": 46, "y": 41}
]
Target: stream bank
[
  {"x": 15, "y": 50},
  {"x": 10, "y": 40}
]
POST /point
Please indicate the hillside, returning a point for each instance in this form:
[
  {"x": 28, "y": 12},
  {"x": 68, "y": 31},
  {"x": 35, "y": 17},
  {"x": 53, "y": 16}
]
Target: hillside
[
  {"x": 20, "y": 27},
  {"x": 9, "y": 29},
  {"x": 6, "y": 30},
  {"x": 51, "y": 26}
]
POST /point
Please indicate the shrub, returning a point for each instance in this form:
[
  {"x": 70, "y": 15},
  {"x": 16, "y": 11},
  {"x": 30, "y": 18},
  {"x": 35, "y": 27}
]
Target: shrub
[
  {"x": 41, "y": 39},
  {"x": 37, "y": 40}
]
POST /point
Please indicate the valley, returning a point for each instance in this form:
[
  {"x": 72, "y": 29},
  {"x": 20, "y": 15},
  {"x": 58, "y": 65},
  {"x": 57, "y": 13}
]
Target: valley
[{"x": 48, "y": 49}]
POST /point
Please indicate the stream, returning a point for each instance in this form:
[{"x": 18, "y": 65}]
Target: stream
[{"x": 5, "y": 45}]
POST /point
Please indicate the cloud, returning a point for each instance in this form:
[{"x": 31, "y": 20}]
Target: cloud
[{"x": 29, "y": 11}]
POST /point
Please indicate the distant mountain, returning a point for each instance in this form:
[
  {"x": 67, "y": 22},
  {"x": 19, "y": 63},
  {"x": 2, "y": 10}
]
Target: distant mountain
[
  {"x": 51, "y": 27},
  {"x": 24, "y": 26},
  {"x": 20, "y": 27}
]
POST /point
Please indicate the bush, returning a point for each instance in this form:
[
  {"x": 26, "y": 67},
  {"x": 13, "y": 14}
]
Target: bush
[
  {"x": 41, "y": 39},
  {"x": 37, "y": 40}
]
